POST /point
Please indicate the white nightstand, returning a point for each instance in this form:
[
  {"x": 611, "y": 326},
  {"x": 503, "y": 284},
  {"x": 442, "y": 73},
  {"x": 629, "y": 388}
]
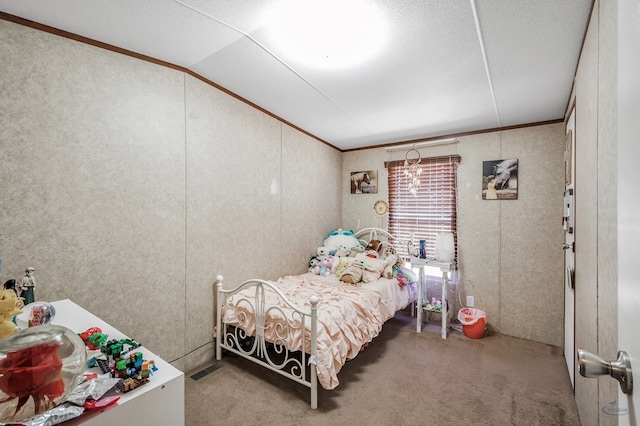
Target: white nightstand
[{"x": 445, "y": 268}]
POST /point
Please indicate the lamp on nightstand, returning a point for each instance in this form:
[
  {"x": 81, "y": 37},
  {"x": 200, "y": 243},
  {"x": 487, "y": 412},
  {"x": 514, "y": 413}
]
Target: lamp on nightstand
[{"x": 445, "y": 247}]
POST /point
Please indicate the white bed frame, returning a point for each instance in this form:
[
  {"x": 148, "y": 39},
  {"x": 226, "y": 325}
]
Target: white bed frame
[{"x": 289, "y": 364}]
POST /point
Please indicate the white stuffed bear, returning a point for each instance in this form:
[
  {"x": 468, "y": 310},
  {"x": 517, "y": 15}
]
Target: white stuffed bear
[{"x": 322, "y": 251}]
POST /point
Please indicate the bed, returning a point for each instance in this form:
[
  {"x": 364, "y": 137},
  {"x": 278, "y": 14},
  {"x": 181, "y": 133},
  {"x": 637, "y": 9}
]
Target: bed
[{"x": 305, "y": 327}]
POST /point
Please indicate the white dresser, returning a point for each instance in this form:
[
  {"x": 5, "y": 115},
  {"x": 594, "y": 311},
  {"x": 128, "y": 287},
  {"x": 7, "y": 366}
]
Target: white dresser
[{"x": 158, "y": 402}]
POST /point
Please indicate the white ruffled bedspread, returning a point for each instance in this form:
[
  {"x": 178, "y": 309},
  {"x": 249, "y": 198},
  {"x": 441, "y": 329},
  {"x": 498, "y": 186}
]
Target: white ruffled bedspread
[{"x": 348, "y": 316}]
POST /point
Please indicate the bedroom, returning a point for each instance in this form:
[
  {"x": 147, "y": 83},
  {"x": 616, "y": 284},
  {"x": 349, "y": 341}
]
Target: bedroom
[{"x": 76, "y": 183}]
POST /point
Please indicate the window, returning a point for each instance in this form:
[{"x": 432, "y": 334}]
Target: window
[{"x": 431, "y": 211}]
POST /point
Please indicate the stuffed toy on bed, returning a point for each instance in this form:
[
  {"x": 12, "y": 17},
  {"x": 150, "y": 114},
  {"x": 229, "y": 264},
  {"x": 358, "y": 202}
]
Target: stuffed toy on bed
[
  {"x": 339, "y": 238},
  {"x": 353, "y": 273},
  {"x": 314, "y": 265},
  {"x": 326, "y": 264},
  {"x": 340, "y": 264}
]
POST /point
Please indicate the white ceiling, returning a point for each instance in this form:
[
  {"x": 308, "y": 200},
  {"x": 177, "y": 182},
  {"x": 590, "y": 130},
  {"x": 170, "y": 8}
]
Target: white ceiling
[{"x": 449, "y": 66}]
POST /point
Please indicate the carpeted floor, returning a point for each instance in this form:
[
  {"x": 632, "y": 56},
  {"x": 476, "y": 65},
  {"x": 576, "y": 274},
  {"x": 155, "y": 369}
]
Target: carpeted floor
[{"x": 402, "y": 378}]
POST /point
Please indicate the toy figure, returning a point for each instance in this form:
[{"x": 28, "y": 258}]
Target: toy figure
[
  {"x": 11, "y": 285},
  {"x": 9, "y": 307},
  {"x": 26, "y": 286}
]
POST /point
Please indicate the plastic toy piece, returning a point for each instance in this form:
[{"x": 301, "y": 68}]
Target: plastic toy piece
[
  {"x": 133, "y": 370},
  {"x": 106, "y": 401},
  {"x": 115, "y": 348},
  {"x": 130, "y": 384}
]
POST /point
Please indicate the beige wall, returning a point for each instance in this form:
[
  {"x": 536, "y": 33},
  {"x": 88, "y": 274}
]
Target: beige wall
[
  {"x": 510, "y": 251},
  {"x": 596, "y": 212},
  {"x": 130, "y": 186}
]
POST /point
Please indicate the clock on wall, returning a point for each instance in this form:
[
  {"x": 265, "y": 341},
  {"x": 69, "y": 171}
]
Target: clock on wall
[{"x": 381, "y": 208}]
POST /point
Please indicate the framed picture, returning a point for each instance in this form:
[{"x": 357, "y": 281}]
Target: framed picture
[
  {"x": 568, "y": 158},
  {"x": 364, "y": 182},
  {"x": 500, "y": 179}
]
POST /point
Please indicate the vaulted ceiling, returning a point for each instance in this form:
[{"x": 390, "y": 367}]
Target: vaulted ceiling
[{"x": 371, "y": 72}]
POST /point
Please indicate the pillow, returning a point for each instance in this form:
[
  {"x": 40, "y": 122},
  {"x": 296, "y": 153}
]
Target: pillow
[{"x": 411, "y": 276}]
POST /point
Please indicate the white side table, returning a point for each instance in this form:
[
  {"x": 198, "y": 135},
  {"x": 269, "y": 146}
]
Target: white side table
[{"x": 445, "y": 268}]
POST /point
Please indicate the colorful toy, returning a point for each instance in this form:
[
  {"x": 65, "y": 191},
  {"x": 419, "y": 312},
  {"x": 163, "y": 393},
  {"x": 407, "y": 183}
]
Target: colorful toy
[
  {"x": 115, "y": 348},
  {"x": 326, "y": 263},
  {"x": 93, "y": 338},
  {"x": 9, "y": 307},
  {"x": 399, "y": 275},
  {"x": 134, "y": 370}
]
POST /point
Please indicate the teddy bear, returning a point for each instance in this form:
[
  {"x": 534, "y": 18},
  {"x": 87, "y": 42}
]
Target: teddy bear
[
  {"x": 326, "y": 263},
  {"x": 322, "y": 251}
]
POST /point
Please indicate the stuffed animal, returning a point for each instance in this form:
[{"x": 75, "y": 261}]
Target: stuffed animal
[
  {"x": 326, "y": 263},
  {"x": 340, "y": 264},
  {"x": 353, "y": 273},
  {"x": 372, "y": 254},
  {"x": 314, "y": 265},
  {"x": 391, "y": 262},
  {"x": 337, "y": 238},
  {"x": 342, "y": 251},
  {"x": 358, "y": 248},
  {"x": 374, "y": 245},
  {"x": 322, "y": 251},
  {"x": 10, "y": 306},
  {"x": 391, "y": 250},
  {"x": 402, "y": 280}
]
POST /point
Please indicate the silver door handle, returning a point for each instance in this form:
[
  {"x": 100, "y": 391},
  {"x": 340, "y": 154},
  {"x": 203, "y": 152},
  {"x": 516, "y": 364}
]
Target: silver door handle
[
  {"x": 566, "y": 246},
  {"x": 590, "y": 365}
]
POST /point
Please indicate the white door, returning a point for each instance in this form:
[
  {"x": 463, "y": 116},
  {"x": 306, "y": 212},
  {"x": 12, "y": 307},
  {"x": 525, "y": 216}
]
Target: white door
[
  {"x": 628, "y": 187},
  {"x": 569, "y": 260}
]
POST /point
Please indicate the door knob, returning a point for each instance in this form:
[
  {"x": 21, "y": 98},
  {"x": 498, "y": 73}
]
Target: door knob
[{"x": 591, "y": 365}]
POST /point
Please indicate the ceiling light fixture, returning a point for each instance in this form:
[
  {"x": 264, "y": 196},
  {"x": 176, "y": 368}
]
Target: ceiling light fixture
[{"x": 327, "y": 34}]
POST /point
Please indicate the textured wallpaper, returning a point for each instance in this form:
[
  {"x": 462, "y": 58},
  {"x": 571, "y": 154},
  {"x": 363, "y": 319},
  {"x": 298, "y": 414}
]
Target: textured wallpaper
[
  {"x": 129, "y": 186},
  {"x": 510, "y": 252}
]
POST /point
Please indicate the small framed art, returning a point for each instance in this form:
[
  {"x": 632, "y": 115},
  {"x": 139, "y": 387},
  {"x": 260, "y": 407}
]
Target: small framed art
[
  {"x": 500, "y": 179},
  {"x": 364, "y": 182}
]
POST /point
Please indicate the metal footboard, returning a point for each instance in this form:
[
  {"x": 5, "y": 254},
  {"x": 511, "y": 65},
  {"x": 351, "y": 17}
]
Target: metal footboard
[{"x": 273, "y": 354}]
